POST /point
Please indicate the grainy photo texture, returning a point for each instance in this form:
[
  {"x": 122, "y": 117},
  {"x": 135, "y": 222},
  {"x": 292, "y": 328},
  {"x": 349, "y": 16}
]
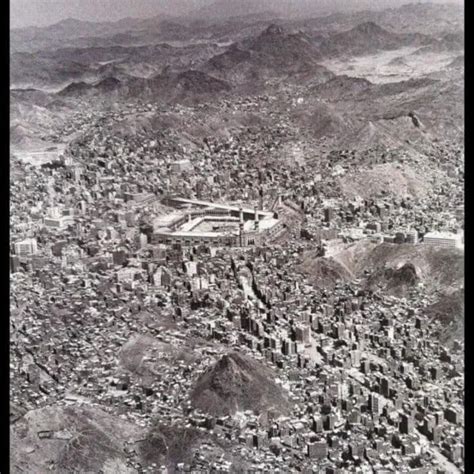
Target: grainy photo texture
[{"x": 237, "y": 236}]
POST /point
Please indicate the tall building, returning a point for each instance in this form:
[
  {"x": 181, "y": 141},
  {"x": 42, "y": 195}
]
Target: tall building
[
  {"x": 406, "y": 424},
  {"x": 14, "y": 263},
  {"x": 385, "y": 387},
  {"x": 375, "y": 404},
  {"x": 303, "y": 333}
]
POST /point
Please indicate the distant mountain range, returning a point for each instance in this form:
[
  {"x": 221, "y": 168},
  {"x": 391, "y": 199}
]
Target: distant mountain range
[
  {"x": 290, "y": 8},
  {"x": 322, "y": 15},
  {"x": 368, "y": 37},
  {"x": 196, "y": 60},
  {"x": 268, "y": 53}
]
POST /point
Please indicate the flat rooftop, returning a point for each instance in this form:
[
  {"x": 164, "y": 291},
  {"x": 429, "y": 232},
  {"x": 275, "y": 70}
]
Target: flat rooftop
[
  {"x": 442, "y": 235},
  {"x": 224, "y": 207},
  {"x": 199, "y": 223}
]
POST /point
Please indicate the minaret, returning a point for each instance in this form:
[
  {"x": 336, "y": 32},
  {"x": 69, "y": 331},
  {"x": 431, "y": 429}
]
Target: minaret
[
  {"x": 241, "y": 234},
  {"x": 241, "y": 227}
]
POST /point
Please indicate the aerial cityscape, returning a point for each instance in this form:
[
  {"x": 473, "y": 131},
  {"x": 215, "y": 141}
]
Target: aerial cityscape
[{"x": 237, "y": 240}]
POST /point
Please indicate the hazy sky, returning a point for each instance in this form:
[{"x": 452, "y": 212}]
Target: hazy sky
[{"x": 46, "y": 12}]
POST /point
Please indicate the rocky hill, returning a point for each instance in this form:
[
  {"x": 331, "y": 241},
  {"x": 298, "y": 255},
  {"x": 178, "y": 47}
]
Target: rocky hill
[
  {"x": 238, "y": 383},
  {"x": 368, "y": 37},
  {"x": 177, "y": 86},
  {"x": 440, "y": 269},
  {"x": 342, "y": 87},
  {"x": 395, "y": 281},
  {"x": 105, "y": 86},
  {"x": 167, "y": 86},
  {"x": 274, "y": 53},
  {"x": 449, "y": 310}
]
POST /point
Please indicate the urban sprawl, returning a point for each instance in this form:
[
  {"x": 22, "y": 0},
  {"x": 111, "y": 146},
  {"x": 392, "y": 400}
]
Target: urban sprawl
[{"x": 133, "y": 243}]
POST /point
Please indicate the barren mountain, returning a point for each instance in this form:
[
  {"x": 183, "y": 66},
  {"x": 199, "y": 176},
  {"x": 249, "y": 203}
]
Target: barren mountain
[
  {"x": 328, "y": 11},
  {"x": 449, "y": 42},
  {"x": 177, "y": 86},
  {"x": 83, "y": 88},
  {"x": 238, "y": 383},
  {"x": 368, "y": 37},
  {"x": 274, "y": 53},
  {"x": 341, "y": 87}
]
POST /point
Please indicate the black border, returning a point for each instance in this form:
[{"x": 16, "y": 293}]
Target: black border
[
  {"x": 5, "y": 237},
  {"x": 468, "y": 323}
]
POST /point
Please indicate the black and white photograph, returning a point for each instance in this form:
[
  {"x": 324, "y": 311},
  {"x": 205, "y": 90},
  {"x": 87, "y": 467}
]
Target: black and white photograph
[{"x": 236, "y": 237}]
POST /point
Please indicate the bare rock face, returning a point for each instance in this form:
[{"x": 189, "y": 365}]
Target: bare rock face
[
  {"x": 396, "y": 281},
  {"x": 238, "y": 383}
]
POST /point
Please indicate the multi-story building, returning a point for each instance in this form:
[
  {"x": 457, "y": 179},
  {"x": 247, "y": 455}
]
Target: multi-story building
[
  {"x": 55, "y": 219},
  {"x": 407, "y": 424},
  {"x": 26, "y": 247},
  {"x": 375, "y": 404},
  {"x": 412, "y": 236},
  {"x": 442, "y": 239}
]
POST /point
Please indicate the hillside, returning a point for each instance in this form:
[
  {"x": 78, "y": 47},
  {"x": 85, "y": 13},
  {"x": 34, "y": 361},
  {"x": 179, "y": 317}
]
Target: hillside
[
  {"x": 341, "y": 87},
  {"x": 321, "y": 120},
  {"x": 167, "y": 86},
  {"x": 449, "y": 310},
  {"x": 387, "y": 179},
  {"x": 272, "y": 53},
  {"x": 70, "y": 439},
  {"x": 238, "y": 383},
  {"x": 367, "y": 38},
  {"x": 168, "y": 445},
  {"x": 440, "y": 269}
]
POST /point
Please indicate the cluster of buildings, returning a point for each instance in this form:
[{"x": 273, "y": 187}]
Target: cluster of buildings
[{"x": 132, "y": 244}]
